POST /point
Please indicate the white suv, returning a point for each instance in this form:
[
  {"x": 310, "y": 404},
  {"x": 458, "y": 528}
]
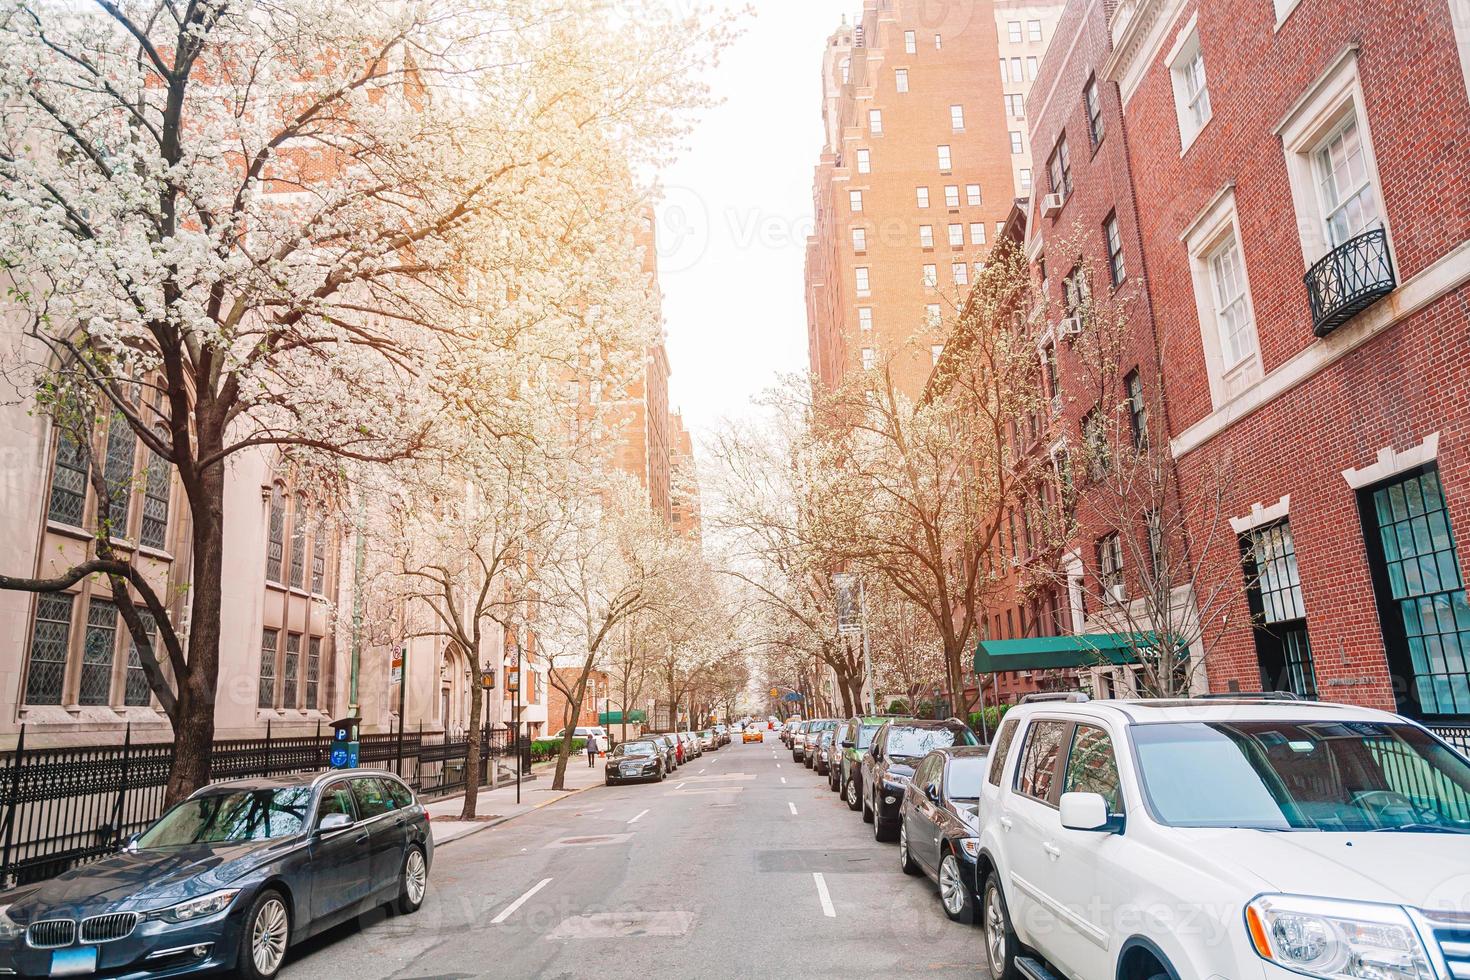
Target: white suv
[{"x": 1223, "y": 840}]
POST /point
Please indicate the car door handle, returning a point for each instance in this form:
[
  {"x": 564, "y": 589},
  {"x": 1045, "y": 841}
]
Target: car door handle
[
  {"x": 361, "y": 839},
  {"x": 1005, "y": 823},
  {"x": 1052, "y": 850}
]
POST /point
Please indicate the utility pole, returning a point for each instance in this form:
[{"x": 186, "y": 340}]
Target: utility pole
[
  {"x": 357, "y": 572},
  {"x": 868, "y": 693},
  {"x": 516, "y": 709}
]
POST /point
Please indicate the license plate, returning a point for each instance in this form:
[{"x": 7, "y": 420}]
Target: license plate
[{"x": 73, "y": 962}]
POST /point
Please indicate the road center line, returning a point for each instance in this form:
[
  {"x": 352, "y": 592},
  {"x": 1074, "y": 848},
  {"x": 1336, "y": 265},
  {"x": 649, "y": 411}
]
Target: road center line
[
  {"x": 783, "y": 779},
  {"x": 793, "y": 808},
  {"x": 822, "y": 894},
  {"x": 778, "y": 765},
  {"x": 681, "y": 786},
  {"x": 511, "y": 908},
  {"x": 638, "y": 818}
]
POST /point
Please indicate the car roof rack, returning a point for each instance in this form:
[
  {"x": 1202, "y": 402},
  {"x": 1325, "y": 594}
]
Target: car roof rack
[
  {"x": 1071, "y": 697},
  {"x": 1250, "y": 696}
]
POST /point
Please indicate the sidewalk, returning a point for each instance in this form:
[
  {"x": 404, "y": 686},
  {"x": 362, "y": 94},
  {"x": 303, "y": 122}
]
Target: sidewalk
[{"x": 496, "y": 806}]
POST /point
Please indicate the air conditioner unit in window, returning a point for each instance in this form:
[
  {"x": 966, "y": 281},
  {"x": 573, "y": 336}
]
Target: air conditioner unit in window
[
  {"x": 1114, "y": 593},
  {"x": 1052, "y": 205},
  {"x": 1071, "y": 326}
]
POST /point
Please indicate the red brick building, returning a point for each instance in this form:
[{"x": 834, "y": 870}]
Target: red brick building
[
  {"x": 594, "y": 700},
  {"x": 1305, "y": 214}
]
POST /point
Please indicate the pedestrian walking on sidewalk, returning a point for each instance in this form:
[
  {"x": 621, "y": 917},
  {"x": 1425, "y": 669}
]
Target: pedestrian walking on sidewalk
[{"x": 591, "y": 752}]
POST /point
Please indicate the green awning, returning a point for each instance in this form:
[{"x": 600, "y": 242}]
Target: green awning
[
  {"x": 616, "y": 717},
  {"x": 1052, "y": 652}
]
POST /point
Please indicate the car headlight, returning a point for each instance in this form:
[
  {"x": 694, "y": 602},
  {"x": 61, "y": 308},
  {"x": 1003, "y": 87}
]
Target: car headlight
[
  {"x": 970, "y": 845},
  {"x": 196, "y": 908},
  {"x": 1334, "y": 940},
  {"x": 9, "y": 928}
]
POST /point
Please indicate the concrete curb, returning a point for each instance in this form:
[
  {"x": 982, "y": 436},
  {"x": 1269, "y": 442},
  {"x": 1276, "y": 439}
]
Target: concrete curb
[{"x": 488, "y": 824}]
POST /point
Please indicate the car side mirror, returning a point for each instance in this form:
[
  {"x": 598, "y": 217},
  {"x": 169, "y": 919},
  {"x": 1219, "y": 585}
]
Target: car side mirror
[
  {"x": 333, "y": 821},
  {"x": 1086, "y": 811},
  {"x": 130, "y": 846},
  {"x": 847, "y": 743},
  {"x": 933, "y": 794}
]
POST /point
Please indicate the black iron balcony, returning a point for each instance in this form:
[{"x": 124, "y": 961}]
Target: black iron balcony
[{"x": 1348, "y": 280}]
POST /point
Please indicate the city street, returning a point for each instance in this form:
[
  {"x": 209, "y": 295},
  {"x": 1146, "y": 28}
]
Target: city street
[{"x": 741, "y": 864}]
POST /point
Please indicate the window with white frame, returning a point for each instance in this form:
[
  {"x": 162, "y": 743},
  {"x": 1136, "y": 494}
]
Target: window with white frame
[
  {"x": 945, "y": 161},
  {"x": 1059, "y": 168},
  {"x": 1191, "y": 91},
  {"x": 1015, "y": 106},
  {"x": 1110, "y": 565},
  {"x": 1033, "y": 65},
  {"x": 972, "y": 195},
  {"x": 977, "y": 233},
  {"x": 921, "y": 194},
  {"x": 855, "y": 201},
  {"x": 926, "y": 236},
  {"x": 861, "y": 274},
  {"x": 931, "y": 314},
  {"x": 938, "y": 41},
  {"x": 1013, "y": 31},
  {"x": 846, "y": 70},
  {"x": 1093, "y": 98},
  {"x": 1005, "y": 72},
  {"x": 952, "y": 195},
  {"x": 865, "y": 318},
  {"x": 1114, "y": 238},
  {"x": 859, "y": 239},
  {"x": 1017, "y": 75},
  {"x": 1349, "y": 202},
  {"x": 961, "y": 273},
  {"x": 910, "y": 42},
  {"x": 1223, "y": 300},
  {"x": 1232, "y": 309},
  {"x": 870, "y": 358},
  {"x": 1025, "y": 178},
  {"x": 901, "y": 79},
  {"x": 956, "y": 236},
  {"x": 864, "y": 161},
  {"x": 1017, "y": 145},
  {"x": 957, "y": 118},
  {"x": 875, "y": 122},
  {"x": 1033, "y": 30},
  {"x": 931, "y": 275}
]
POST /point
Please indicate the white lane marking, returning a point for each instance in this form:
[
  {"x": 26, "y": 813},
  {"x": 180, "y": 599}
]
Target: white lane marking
[
  {"x": 793, "y": 808},
  {"x": 703, "y": 771},
  {"x": 778, "y": 765},
  {"x": 639, "y": 817},
  {"x": 822, "y": 894},
  {"x": 783, "y": 779},
  {"x": 511, "y": 908},
  {"x": 681, "y": 786}
]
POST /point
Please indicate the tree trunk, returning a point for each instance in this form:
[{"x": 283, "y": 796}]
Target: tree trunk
[
  {"x": 570, "y": 715},
  {"x": 472, "y": 755},
  {"x": 194, "y": 720}
]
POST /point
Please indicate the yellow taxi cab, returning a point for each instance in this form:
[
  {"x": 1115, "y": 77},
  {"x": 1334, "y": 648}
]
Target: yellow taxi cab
[{"x": 752, "y": 734}]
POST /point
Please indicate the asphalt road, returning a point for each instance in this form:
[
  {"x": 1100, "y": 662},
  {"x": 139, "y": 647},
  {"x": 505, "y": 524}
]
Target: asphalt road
[{"x": 741, "y": 864}]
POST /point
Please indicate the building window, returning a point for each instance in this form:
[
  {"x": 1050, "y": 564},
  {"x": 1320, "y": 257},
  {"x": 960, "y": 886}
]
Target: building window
[
  {"x": 875, "y": 122},
  {"x": 936, "y": 351},
  {"x": 926, "y": 236},
  {"x": 865, "y": 318},
  {"x": 961, "y": 273},
  {"x": 957, "y": 118},
  {"x": 1053, "y": 378},
  {"x": 944, "y": 159},
  {"x": 1018, "y": 146},
  {"x": 1094, "y": 111},
  {"x": 1115, "y": 249},
  {"x": 956, "y": 236},
  {"x": 977, "y": 233},
  {"x": 931, "y": 275},
  {"x": 859, "y": 239},
  {"x": 97, "y": 651},
  {"x": 1191, "y": 92},
  {"x": 136, "y": 692},
  {"x": 938, "y": 42},
  {"x": 320, "y": 544},
  {"x": 861, "y": 273},
  {"x": 932, "y": 316},
  {"x": 291, "y": 670},
  {"x": 1350, "y": 206},
  {"x": 972, "y": 195},
  {"x": 910, "y": 42},
  {"x": 1033, "y": 30},
  {"x": 846, "y": 70},
  {"x": 266, "y": 692},
  {"x": 901, "y": 79},
  {"x": 1075, "y": 292},
  {"x": 122, "y": 445},
  {"x": 1110, "y": 566},
  {"x": 1032, "y": 67},
  {"x": 864, "y": 161},
  {"x": 1017, "y": 74},
  {"x": 1095, "y": 441},
  {"x": 1137, "y": 409},
  {"x": 276, "y": 535},
  {"x": 313, "y": 671},
  {"x": 952, "y": 195},
  {"x": 1421, "y": 594},
  {"x": 1283, "y": 649},
  {"x": 154, "y": 530},
  {"x": 1013, "y": 31},
  {"x": 50, "y": 640},
  {"x": 1059, "y": 168},
  {"x": 68, "y": 481},
  {"x": 1015, "y": 106},
  {"x": 1025, "y": 178},
  {"x": 1005, "y": 72},
  {"x": 922, "y": 195},
  {"x": 870, "y": 358},
  {"x": 855, "y": 201},
  {"x": 298, "y": 543},
  {"x": 1232, "y": 312}
]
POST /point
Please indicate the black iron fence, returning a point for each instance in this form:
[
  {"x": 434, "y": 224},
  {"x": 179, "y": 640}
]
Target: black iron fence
[{"x": 62, "y": 806}]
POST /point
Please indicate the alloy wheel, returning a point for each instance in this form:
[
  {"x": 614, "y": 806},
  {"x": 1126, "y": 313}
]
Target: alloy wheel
[
  {"x": 995, "y": 932},
  {"x": 416, "y": 876},
  {"x": 951, "y": 886},
  {"x": 852, "y": 793},
  {"x": 268, "y": 936}
]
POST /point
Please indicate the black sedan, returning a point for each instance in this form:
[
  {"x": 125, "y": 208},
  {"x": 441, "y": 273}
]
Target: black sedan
[
  {"x": 939, "y": 826},
  {"x": 228, "y": 879},
  {"x": 889, "y": 764},
  {"x": 636, "y": 761}
]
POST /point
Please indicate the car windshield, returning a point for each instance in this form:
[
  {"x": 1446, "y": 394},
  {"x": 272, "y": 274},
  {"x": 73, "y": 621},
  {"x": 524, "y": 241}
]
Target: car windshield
[
  {"x": 635, "y": 748},
  {"x": 1325, "y": 776},
  {"x": 965, "y": 777},
  {"x": 917, "y": 742},
  {"x": 865, "y": 735},
  {"x": 232, "y": 817}
]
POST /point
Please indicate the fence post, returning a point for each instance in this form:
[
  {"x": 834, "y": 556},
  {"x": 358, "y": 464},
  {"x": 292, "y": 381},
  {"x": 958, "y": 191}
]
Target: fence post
[
  {"x": 122, "y": 783},
  {"x": 400, "y": 747},
  {"x": 13, "y": 804},
  {"x": 318, "y": 743},
  {"x": 267, "y": 747}
]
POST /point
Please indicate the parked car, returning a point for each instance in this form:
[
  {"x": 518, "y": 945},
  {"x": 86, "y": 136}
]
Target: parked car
[
  {"x": 723, "y": 731},
  {"x": 228, "y": 879},
  {"x": 636, "y": 761},
  {"x": 809, "y": 739},
  {"x": 1325, "y": 840},
  {"x": 820, "y": 748},
  {"x": 888, "y": 765},
  {"x": 752, "y": 735},
  {"x": 584, "y": 732},
  {"x": 707, "y": 740},
  {"x": 853, "y": 739},
  {"x": 788, "y": 731},
  {"x": 692, "y": 747},
  {"x": 798, "y": 739},
  {"x": 671, "y": 750},
  {"x": 939, "y": 826}
]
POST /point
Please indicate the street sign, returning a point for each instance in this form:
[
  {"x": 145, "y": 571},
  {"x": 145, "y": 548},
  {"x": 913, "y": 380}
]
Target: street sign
[
  {"x": 849, "y": 604},
  {"x": 397, "y": 673},
  {"x": 775, "y": 693}
]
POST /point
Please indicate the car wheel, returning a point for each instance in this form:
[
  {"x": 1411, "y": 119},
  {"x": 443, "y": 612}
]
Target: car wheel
[
  {"x": 905, "y": 859},
  {"x": 958, "y": 903},
  {"x": 1001, "y": 943},
  {"x": 264, "y": 939},
  {"x": 853, "y": 796},
  {"x": 882, "y": 832},
  {"x": 415, "y": 882}
]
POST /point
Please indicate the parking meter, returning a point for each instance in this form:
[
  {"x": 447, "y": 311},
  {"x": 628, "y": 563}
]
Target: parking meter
[{"x": 345, "y": 744}]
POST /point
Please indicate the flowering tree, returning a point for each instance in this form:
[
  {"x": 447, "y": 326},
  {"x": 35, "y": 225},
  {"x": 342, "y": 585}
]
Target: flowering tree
[{"x": 317, "y": 227}]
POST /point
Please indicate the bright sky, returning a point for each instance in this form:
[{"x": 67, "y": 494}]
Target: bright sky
[{"x": 736, "y": 212}]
